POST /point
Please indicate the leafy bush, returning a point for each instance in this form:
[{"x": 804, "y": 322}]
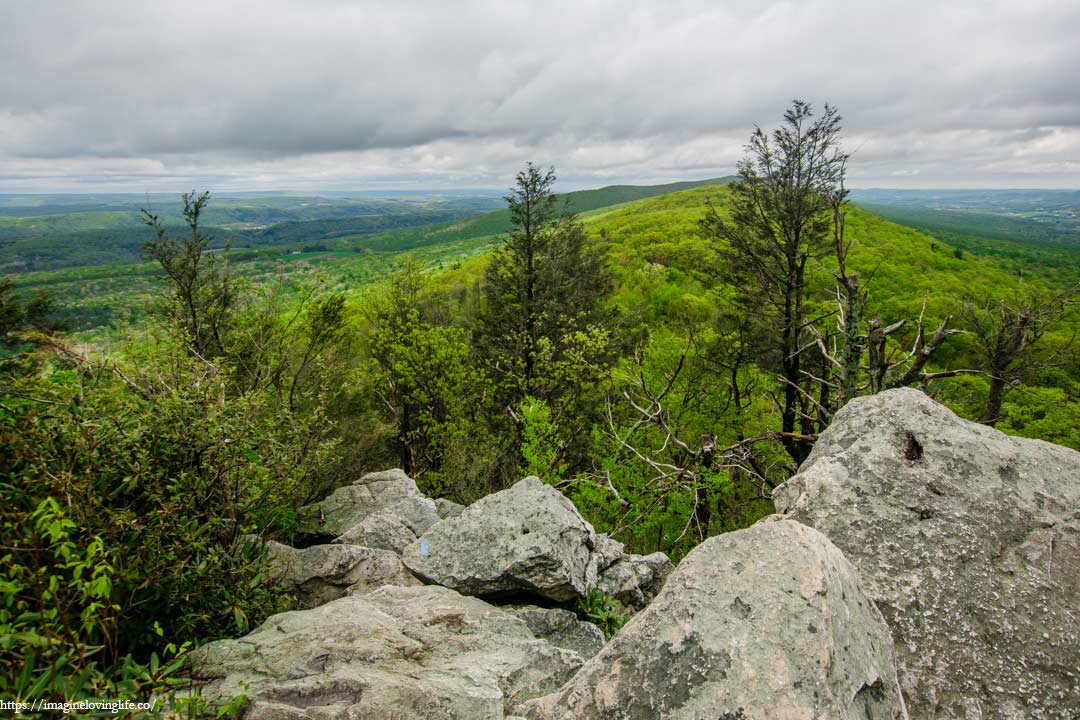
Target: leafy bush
[
  {"x": 121, "y": 520},
  {"x": 127, "y": 488},
  {"x": 601, "y": 610}
]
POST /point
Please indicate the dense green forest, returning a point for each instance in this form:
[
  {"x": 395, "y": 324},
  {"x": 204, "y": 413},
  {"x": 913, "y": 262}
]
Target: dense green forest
[
  {"x": 1050, "y": 250},
  {"x": 665, "y": 358},
  {"x": 101, "y": 291},
  {"x": 52, "y": 232}
]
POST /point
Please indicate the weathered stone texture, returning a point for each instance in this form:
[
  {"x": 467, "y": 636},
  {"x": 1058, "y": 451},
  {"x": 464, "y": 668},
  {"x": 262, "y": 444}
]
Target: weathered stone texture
[
  {"x": 768, "y": 622},
  {"x": 968, "y": 540},
  {"x": 526, "y": 539}
]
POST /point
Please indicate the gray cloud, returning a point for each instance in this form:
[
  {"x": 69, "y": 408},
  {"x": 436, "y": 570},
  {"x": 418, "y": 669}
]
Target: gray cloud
[{"x": 306, "y": 94}]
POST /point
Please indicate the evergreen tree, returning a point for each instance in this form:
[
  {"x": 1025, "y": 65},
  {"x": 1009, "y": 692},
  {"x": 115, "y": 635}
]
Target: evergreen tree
[
  {"x": 781, "y": 218},
  {"x": 540, "y": 330}
]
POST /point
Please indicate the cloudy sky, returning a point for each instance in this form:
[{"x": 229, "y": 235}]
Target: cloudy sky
[{"x": 307, "y": 94}]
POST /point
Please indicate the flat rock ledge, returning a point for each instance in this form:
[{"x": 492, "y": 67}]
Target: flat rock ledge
[{"x": 402, "y": 653}]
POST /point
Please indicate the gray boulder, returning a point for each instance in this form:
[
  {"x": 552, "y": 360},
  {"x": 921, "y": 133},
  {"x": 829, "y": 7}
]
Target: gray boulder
[
  {"x": 382, "y": 529},
  {"x": 526, "y": 539},
  {"x": 968, "y": 541},
  {"x": 448, "y": 508},
  {"x": 419, "y": 653},
  {"x": 607, "y": 552},
  {"x": 635, "y": 580},
  {"x": 321, "y": 573},
  {"x": 768, "y": 622},
  {"x": 562, "y": 629},
  {"x": 390, "y": 492}
]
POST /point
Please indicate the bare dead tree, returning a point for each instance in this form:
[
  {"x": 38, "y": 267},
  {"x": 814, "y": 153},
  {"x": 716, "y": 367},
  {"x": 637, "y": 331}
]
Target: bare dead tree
[
  {"x": 1008, "y": 335},
  {"x": 842, "y": 369},
  {"x": 650, "y": 436},
  {"x": 851, "y": 299}
]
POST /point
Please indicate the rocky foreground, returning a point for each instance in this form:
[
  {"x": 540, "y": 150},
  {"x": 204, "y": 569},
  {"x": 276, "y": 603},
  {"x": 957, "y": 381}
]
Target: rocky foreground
[{"x": 919, "y": 566}]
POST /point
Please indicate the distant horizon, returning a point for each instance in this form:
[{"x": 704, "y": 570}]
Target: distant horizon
[{"x": 480, "y": 190}]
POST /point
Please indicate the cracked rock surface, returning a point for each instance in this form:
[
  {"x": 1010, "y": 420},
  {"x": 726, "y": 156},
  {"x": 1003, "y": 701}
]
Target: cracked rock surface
[
  {"x": 968, "y": 540},
  {"x": 767, "y": 622},
  {"x": 406, "y": 653},
  {"x": 322, "y": 573}
]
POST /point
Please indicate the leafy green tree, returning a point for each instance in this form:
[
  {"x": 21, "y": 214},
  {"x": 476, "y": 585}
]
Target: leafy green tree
[
  {"x": 421, "y": 366},
  {"x": 540, "y": 330},
  {"x": 203, "y": 291},
  {"x": 780, "y": 220},
  {"x": 282, "y": 339}
]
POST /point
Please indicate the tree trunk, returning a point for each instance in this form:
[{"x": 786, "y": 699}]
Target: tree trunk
[
  {"x": 702, "y": 511},
  {"x": 791, "y": 365},
  {"x": 998, "y": 387},
  {"x": 404, "y": 443}
]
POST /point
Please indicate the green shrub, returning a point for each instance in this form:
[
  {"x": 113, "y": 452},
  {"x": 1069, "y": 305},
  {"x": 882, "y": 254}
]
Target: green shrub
[{"x": 601, "y": 610}]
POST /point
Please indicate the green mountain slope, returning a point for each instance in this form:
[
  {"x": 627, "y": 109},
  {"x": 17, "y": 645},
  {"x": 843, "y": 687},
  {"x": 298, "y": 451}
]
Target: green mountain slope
[
  {"x": 669, "y": 277},
  {"x": 490, "y": 224},
  {"x": 902, "y": 265},
  {"x": 1021, "y": 244}
]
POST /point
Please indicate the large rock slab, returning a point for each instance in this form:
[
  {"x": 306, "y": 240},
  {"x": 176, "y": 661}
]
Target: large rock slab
[
  {"x": 390, "y": 494},
  {"x": 526, "y": 539},
  {"x": 968, "y": 540},
  {"x": 419, "y": 653},
  {"x": 562, "y": 629},
  {"x": 768, "y": 622},
  {"x": 321, "y": 573},
  {"x": 383, "y": 529}
]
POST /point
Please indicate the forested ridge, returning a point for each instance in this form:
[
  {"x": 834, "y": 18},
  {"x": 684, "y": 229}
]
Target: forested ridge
[{"x": 666, "y": 363}]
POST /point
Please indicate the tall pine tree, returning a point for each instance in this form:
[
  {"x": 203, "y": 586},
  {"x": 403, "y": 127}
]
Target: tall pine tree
[{"x": 540, "y": 329}]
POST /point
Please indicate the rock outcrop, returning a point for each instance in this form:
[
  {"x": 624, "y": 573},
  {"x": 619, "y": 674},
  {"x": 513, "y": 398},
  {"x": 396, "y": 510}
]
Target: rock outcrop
[
  {"x": 968, "y": 541},
  {"x": 321, "y": 573},
  {"x": 918, "y": 560},
  {"x": 634, "y": 580},
  {"x": 528, "y": 539},
  {"x": 768, "y": 622},
  {"x": 448, "y": 508},
  {"x": 417, "y": 653},
  {"x": 562, "y": 629},
  {"x": 382, "y": 529},
  {"x": 390, "y": 496}
]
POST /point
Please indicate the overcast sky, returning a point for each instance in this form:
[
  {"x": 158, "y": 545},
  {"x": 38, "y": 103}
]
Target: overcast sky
[{"x": 308, "y": 94}]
